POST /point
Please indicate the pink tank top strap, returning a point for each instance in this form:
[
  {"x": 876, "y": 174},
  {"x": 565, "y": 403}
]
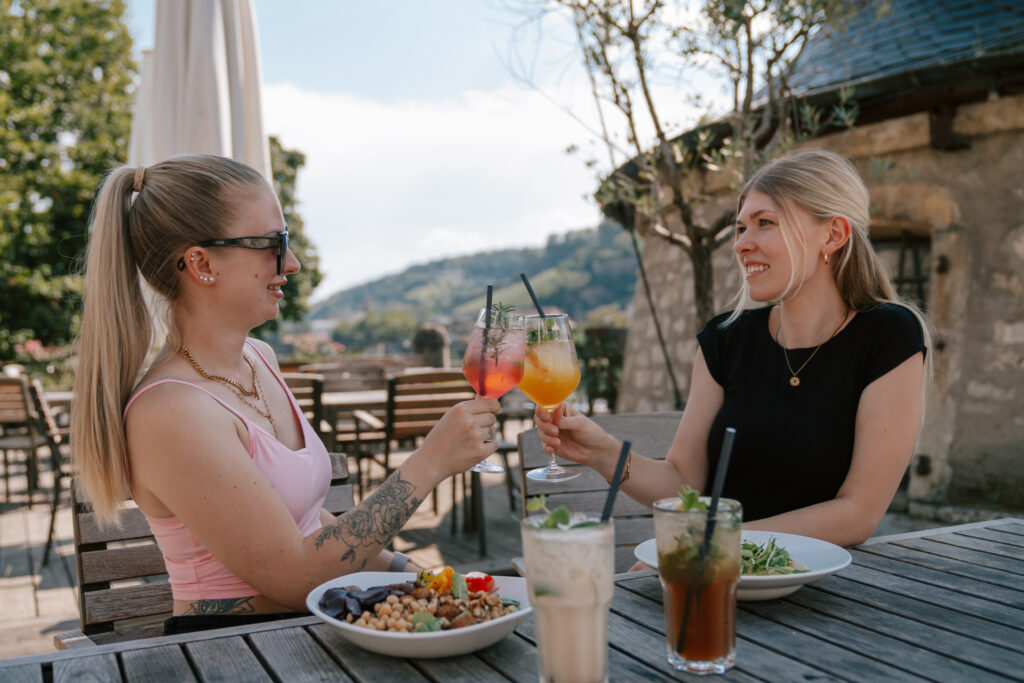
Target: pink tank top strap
[{"x": 187, "y": 384}]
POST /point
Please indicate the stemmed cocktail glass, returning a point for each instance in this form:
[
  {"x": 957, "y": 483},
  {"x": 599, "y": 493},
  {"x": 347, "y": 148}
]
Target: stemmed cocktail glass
[
  {"x": 550, "y": 375},
  {"x": 493, "y": 363}
]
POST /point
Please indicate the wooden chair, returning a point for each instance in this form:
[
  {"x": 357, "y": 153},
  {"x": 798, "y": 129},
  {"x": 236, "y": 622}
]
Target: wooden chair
[
  {"x": 56, "y": 440},
  {"x": 123, "y": 592},
  {"x": 19, "y": 421},
  {"x": 651, "y": 435},
  {"x": 308, "y": 389}
]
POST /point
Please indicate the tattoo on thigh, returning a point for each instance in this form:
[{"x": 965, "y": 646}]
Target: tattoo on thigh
[
  {"x": 375, "y": 521},
  {"x": 225, "y": 606}
]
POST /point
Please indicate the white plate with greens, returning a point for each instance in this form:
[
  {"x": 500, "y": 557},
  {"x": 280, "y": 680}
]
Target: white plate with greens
[
  {"x": 821, "y": 558},
  {"x": 449, "y": 643}
]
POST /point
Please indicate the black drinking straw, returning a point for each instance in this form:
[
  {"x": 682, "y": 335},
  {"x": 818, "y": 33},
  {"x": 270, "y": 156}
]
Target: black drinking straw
[
  {"x": 709, "y": 529},
  {"x": 483, "y": 344},
  {"x": 616, "y": 480},
  {"x": 533, "y": 296}
]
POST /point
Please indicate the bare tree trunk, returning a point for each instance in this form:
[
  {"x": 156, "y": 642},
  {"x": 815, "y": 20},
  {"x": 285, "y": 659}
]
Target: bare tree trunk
[{"x": 703, "y": 280}]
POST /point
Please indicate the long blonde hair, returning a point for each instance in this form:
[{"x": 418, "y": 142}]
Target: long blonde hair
[
  {"x": 825, "y": 185},
  {"x": 180, "y": 202}
]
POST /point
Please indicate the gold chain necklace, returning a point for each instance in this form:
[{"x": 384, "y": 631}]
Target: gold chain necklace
[
  {"x": 240, "y": 391},
  {"x": 794, "y": 381}
]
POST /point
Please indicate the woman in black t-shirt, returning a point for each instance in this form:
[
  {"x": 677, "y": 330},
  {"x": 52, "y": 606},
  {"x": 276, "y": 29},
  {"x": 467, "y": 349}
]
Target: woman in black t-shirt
[{"x": 824, "y": 382}]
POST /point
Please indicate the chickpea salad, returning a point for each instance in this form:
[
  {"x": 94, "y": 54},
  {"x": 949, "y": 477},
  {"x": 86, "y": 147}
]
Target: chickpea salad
[{"x": 436, "y": 601}]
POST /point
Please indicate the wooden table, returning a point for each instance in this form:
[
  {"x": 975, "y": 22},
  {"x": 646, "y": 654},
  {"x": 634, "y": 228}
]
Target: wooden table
[{"x": 944, "y": 604}]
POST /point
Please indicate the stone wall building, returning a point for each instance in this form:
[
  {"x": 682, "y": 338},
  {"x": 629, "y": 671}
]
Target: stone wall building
[{"x": 940, "y": 144}]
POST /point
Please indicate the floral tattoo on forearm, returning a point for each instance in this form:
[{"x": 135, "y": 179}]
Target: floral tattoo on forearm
[{"x": 375, "y": 521}]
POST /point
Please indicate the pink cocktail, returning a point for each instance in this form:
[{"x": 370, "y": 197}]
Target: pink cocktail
[{"x": 493, "y": 363}]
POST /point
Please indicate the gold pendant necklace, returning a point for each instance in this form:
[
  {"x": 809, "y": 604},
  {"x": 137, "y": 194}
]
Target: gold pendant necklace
[
  {"x": 794, "y": 381},
  {"x": 240, "y": 391}
]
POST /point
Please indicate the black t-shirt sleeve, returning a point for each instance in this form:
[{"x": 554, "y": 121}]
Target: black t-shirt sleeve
[
  {"x": 899, "y": 336},
  {"x": 714, "y": 340}
]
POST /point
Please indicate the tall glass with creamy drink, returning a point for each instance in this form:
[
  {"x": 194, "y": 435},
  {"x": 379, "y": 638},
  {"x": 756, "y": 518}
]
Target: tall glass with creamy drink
[{"x": 570, "y": 572}]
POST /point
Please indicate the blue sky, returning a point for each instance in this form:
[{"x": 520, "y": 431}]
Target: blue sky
[{"x": 419, "y": 142}]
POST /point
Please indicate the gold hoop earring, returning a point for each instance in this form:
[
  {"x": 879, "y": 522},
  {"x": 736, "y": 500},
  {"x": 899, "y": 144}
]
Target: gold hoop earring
[{"x": 826, "y": 259}]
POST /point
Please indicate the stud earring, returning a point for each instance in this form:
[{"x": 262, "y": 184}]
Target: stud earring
[{"x": 192, "y": 257}]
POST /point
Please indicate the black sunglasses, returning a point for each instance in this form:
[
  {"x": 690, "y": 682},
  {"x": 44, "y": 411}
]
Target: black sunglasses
[{"x": 279, "y": 242}]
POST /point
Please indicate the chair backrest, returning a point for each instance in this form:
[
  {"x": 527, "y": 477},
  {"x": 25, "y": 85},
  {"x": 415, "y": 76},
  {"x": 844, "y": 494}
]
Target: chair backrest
[
  {"x": 16, "y": 407},
  {"x": 418, "y": 399},
  {"x": 123, "y": 592},
  {"x": 308, "y": 389},
  {"x": 651, "y": 435},
  {"x": 352, "y": 375}
]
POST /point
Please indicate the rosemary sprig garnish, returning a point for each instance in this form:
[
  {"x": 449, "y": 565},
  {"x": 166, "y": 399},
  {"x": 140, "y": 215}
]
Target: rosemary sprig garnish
[{"x": 499, "y": 328}]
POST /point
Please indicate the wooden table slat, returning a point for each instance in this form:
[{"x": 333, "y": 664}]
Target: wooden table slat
[
  {"x": 166, "y": 663},
  {"x": 226, "y": 659},
  {"x": 962, "y": 600},
  {"x": 914, "y": 660},
  {"x": 912, "y": 556},
  {"x": 996, "y": 535},
  {"x": 905, "y": 629},
  {"x": 93, "y": 668},
  {"x": 293, "y": 655},
  {"x": 24, "y": 673},
  {"x": 965, "y": 554},
  {"x": 370, "y": 666},
  {"x": 943, "y": 579},
  {"x": 935, "y": 615},
  {"x": 991, "y": 547},
  {"x": 514, "y": 656}
]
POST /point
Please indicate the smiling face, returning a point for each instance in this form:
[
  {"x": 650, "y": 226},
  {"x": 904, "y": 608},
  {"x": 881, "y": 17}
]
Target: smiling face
[
  {"x": 251, "y": 274},
  {"x": 779, "y": 247}
]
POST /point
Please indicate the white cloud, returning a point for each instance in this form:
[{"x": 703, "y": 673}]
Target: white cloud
[{"x": 390, "y": 184}]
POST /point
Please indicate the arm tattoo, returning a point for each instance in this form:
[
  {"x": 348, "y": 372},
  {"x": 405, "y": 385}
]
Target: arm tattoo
[
  {"x": 376, "y": 520},
  {"x": 225, "y": 606}
]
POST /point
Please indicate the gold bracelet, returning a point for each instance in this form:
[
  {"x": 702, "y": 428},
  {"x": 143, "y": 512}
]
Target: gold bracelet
[{"x": 625, "y": 475}]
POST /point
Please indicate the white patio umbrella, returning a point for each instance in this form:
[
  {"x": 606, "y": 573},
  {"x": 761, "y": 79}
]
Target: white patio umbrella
[{"x": 200, "y": 85}]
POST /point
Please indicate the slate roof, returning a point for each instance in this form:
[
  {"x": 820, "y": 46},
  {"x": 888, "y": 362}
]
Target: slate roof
[{"x": 905, "y": 37}]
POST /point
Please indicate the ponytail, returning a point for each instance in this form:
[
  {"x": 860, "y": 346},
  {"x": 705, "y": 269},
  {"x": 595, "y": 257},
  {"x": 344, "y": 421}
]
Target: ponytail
[{"x": 116, "y": 334}]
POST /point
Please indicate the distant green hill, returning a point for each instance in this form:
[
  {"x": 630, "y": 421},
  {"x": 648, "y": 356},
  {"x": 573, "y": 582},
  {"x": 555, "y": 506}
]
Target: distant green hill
[{"x": 576, "y": 272}]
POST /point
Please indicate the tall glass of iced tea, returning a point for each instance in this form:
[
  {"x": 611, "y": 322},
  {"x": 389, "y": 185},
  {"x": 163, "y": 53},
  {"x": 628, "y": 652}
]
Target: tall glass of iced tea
[{"x": 699, "y": 588}]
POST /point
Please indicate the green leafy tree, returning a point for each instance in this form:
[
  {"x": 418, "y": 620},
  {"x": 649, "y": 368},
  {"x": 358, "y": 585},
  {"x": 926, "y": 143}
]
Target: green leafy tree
[
  {"x": 66, "y": 74},
  {"x": 285, "y": 165}
]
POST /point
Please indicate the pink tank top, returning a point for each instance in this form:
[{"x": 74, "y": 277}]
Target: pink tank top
[{"x": 300, "y": 477}]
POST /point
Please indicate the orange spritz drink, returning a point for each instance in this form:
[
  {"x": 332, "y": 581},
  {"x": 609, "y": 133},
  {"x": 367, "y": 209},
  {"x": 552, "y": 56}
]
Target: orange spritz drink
[{"x": 550, "y": 375}]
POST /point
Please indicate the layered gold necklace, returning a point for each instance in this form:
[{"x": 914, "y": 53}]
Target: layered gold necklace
[
  {"x": 794, "y": 381},
  {"x": 245, "y": 395}
]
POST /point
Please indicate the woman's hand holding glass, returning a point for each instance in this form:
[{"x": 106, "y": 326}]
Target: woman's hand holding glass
[
  {"x": 570, "y": 434},
  {"x": 460, "y": 438}
]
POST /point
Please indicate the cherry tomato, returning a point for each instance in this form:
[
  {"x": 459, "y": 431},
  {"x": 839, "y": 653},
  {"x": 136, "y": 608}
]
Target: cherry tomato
[{"x": 478, "y": 581}]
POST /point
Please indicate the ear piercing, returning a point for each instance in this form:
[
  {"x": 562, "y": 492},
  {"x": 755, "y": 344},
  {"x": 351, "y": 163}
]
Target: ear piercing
[{"x": 206, "y": 278}]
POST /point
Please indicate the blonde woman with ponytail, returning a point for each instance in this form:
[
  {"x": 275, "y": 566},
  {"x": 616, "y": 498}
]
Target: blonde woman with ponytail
[
  {"x": 207, "y": 439},
  {"x": 824, "y": 380}
]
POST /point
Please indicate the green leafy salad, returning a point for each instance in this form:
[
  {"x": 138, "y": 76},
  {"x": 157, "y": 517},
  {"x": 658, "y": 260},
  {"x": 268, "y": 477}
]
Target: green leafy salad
[{"x": 769, "y": 559}]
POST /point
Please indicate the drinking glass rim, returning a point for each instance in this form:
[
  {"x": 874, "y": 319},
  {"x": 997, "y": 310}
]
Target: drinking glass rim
[
  {"x": 586, "y": 517},
  {"x": 725, "y": 505}
]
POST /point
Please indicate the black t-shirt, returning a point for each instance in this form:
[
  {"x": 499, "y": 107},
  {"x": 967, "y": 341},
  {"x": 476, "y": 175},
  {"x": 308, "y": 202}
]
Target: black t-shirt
[{"x": 794, "y": 445}]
